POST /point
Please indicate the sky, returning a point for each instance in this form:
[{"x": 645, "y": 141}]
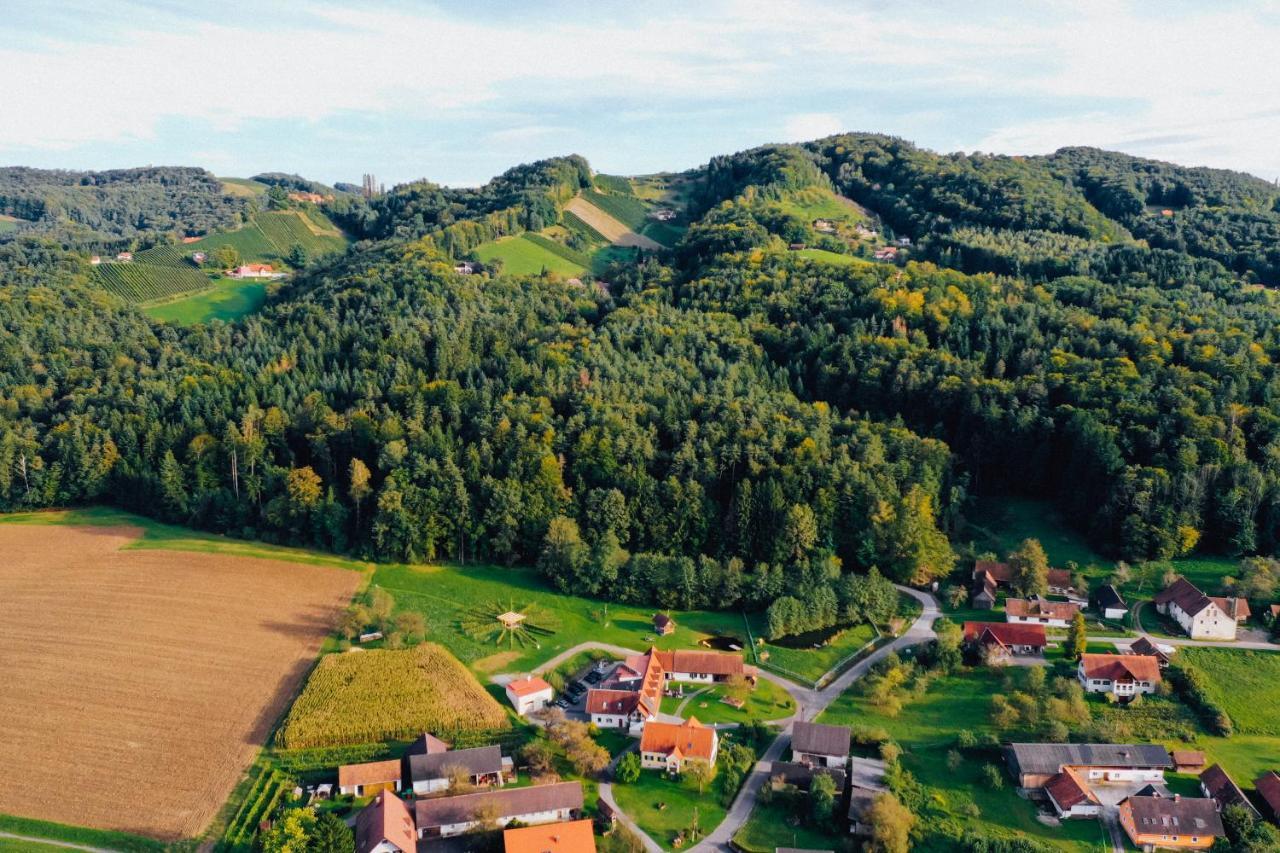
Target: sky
[{"x": 457, "y": 92}]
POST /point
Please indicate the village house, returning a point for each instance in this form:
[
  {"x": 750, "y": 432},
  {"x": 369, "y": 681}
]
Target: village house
[
  {"x": 783, "y": 773},
  {"x": 703, "y": 667},
  {"x": 620, "y": 709},
  {"x": 313, "y": 198},
  {"x": 431, "y": 770},
  {"x": 124, "y": 257},
  {"x": 1217, "y": 785},
  {"x": 96, "y": 260},
  {"x": 1000, "y": 576},
  {"x": 1122, "y": 675},
  {"x": 1268, "y": 787},
  {"x": 198, "y": 258},
  {"x": 663, "y": 624},
  {"x": 575, "y": 836},
  {"x": 887, "y": 253},
  {"x": 1109, "y": 603},
  {"x": 363, "y": 780},
  {"x": 632, "y": 694},
  {"x": 663, "y": 214},
  {"x": 1177, "y": 822},
  {"x": 820, "y": 745},
  {"x": 1201, "y": 616},
  {"x": 1188, "y": 761},
  {"x": 255, "y": 271},
  {"x": 860, "y": 802},
  {"x": 464, "y": 268},
  {"x": 904, "y": 242},
  {"x": 385, "y": 826},
  {"x": 1144, "y": 646},
  {"x": 999, "y": 642},
  {"x": 826, "y": 226},
  {"x": 1034, "y": 765},
  {"x": 528, "y": 694},
  {"x": 670, "y": 746},
  {"x": 1040, "y": 611},
  {"x": 537, "y": 804}
]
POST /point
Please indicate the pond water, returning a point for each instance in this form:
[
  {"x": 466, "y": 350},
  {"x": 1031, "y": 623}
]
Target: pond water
[{"x": 723, "y": 643}]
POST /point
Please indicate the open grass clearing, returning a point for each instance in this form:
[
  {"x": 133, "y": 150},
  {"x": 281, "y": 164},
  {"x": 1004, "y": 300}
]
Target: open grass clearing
[
  {"x": 227, "y": 299},
  {"x": 809, "y": 664},
  {"x": 523, "y": 256},
  {"x": 813, "y": 203},
  {"x": 606, "y": 222},
  {"x": 823, "y": 256},
  {"x": 1246, "y": 684},
  {"x": 153, "y": 642},
  {"x": 772, "y": 826},
  {"x": 665, "y": 807},
  {"x": 767, "y": 702}
]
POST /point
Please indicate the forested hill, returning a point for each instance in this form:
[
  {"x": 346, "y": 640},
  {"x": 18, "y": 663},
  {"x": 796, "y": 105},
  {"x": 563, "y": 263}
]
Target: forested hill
[{"x": 717, "y": 424}]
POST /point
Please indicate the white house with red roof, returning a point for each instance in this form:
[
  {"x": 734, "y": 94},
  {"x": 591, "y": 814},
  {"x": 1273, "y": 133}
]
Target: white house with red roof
[{"x": 529, "y": 693}]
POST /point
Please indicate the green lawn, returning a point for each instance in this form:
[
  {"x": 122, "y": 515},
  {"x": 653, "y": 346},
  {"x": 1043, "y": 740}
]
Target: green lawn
[
  {"x": 522, "y": 256},
  {"x": 926, "y": 729},
  {"x": 813, "y": 203},
  {"x": 229, "y": 299},
  {"x": 766, "y": 702},
  {"x": 122, "y": 841},
  {"x": 643, "y": 799},
  {"x": 9, "y": 223},
  {"x": 808, "y": 665},
  {"x": 830, "y": 257},
  {"x": 1245, "y": 684},
  {"x": 771, "y": 826},
  {"x": 443, "y": 594}
]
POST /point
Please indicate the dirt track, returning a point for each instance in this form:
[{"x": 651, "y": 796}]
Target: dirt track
[
  {"x": 611, "y": 229},
  {"x": 138, "y": 685}
]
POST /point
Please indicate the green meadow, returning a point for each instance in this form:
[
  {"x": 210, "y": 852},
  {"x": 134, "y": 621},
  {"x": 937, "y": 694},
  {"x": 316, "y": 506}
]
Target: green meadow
[
  {"x": 228, "y": 299},
  {"x": 524, "y": 256}
]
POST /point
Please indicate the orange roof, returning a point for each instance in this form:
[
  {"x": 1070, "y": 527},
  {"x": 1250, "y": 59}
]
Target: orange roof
[
  {"x": 611, "y": 701},
  {"x": 1005, "y": 633},
  {"x": 256, "y": 267},
  {"x": 574, "y": 836},
  {"x": 387, "y": 818},
  {"x": 528, "y": 685},
  {"x": 1121, "y": 667},
  {"x": 689, "y": 739},
  {"x": 1034, "y": 608},
  {"x": 371, "y": 773},
  {"x": 714, "y": 663}
]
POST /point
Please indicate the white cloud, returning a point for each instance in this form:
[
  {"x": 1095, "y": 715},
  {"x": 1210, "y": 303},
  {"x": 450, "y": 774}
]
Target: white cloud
[{"x": 802, "y": 127}]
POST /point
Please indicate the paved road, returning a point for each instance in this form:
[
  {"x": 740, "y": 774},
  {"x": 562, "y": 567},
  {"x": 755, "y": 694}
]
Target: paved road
[
  {"x": 606, "y": 794},
  {"x": 52, "y": 843}
]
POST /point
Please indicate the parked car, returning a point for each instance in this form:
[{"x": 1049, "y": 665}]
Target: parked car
[
  {"x": 593, "y": 677},
  {"x": 575, "y": 688},
  {"x": 561, "y": 702}
]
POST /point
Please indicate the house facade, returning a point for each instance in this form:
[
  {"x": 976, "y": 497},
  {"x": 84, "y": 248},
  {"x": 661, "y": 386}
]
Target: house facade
[
  {"x": 363, "y": 780},
  {"x": 1040, "y": 611},
  {"x": 386, "y": 826},
  {"x": 528, "y": 694},
  {"x": 1033, "y": 765},
  {"x": 820, "y": 745},
  {"x": 619, "y": 709},
  {"x": 1122, "y": 675},
  {"x": 670, "y": 746},
  {"x": 1180, "y": 823},
  {"x": 1109, "y": 603},
  {"x": 1002, "y": 641},
  {"x": 1202, "y": 617},
  {"x": 436, "y": 771},
  {"x": 1217, "y": 785}
]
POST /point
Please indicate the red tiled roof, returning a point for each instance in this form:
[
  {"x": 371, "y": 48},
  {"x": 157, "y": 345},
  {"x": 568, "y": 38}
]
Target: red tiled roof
[
  {"x": 371, "y": 773},
  {"x": 1005, "y": 633},
  {"x": 1235, "y": 608},
  {"x": 574, "y": 836},
  {"x": 528, "y": 685},
  {"x": 1188, "y": 758},
  {"x": 1268, "y": 786},
  {"x": 1121, "y": 667},
  {"x": 1069, "y": 790},
  {"x": 387, "y": 818},
  {"x": 713, "y": 663},
  {"x": 998, "y": 572},
  {"x": 689, "y": 739},
  {"x": 612, "y": 701}
]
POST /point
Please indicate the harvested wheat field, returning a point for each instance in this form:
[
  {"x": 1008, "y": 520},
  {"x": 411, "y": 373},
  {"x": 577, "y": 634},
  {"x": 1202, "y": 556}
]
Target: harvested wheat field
[{"x": 139, "y": 684}]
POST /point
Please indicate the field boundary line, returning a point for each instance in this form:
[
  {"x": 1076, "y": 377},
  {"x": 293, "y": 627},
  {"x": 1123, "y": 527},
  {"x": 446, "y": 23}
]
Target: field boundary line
[{"x": 56, "y": 843}]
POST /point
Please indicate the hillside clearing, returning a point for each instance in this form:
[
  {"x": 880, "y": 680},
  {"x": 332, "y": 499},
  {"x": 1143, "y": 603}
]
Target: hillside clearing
[
  {"x": 524, "y": 256},
  {"x": 177, "y": 661},
  {"x": 612, "y": 229},
  {"x": 227, "y": 299}
]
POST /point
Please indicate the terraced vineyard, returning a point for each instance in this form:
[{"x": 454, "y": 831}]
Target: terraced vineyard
[
  {"x": 164, "y": 256},
  {"x": 267, "y": 790},
  {"x": 142, "y": 282},
  {"x": 286, "y": 228}
]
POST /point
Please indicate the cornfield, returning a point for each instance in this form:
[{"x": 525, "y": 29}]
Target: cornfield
[{"x": 383, "y": 695}]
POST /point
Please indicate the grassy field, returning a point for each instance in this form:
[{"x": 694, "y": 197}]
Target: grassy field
[
  {"x": 663, "y": 807},
  {"x": 927, "y": 728},
  {"x": 817, "y": 203},
  {"x": 270, "y": 235},
  {"x": 523, "y": 256},
  {"x": 1246, "y": 684},
  {"x": 9, "y": 223},
  {"x": 830, "y": 257},
  {"x": 380, "y": 695},
  {"x": 811, "y": 664},
  {"x": 445, "y": 594},
  {"x": 243, "y": 187},
  {"x": 228, "y": 299},
  {"x": 122, "y": 841},
  {"x": 767, "y": 702},
  {"x": 771, "y": 826}
]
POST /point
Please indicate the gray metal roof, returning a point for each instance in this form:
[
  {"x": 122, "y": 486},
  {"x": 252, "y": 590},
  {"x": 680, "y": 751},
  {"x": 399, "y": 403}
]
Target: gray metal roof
[
  {"x": 1050, "y": 758},
  {"x": 437, "y": 765},
  {"x": 819, "y": 739},
  {"x": 502, "y": 802}
]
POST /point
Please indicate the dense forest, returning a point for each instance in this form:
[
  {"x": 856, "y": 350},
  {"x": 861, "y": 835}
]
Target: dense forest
[{"x": 724, "y": 423}]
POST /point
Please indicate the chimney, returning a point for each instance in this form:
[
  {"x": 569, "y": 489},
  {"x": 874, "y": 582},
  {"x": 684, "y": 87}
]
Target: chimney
[{"x": 1177, "y": 798}]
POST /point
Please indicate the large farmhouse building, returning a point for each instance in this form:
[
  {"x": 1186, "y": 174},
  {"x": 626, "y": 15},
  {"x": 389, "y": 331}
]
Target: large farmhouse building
[
  {"x": 820, "y": 745},
  {"x": 1122, "y": 675},
  {"x": 1201, "y": 616},
  {"x": 1171, "y": 822},
  {"x": 1040, "y": 611},
  {"x": 632, "y": 694},
  {"x": 670, "y": 746},
  {"x": 1001, "y": 641},
  {"x": 444, "y": 816},
  {"x": 1034, "y": 764}
]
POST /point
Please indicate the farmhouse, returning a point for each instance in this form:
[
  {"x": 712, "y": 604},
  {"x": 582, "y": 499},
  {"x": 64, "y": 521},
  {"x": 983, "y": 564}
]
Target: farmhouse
[
  {"x": 96, "y": 260},
  {"x": 1001, "y": 641},
  {"x": 363, "y": 780},
  {"x": 663, "y": 214},
  {"x": 1144, "y": 646},
  {"x": 198, "y": 257},
  {"x": 574, "y": 836},
  {"x": 445, "y": 816},
  {"x": 1217, "y": 785},
  {"x": 1108, "y": 601},
  {"x": 464, "y": 268},
  {"x": 1178, "y": 822},
  {"x": 888, "y": 253},
  {"x": 1000, "y": 575},
  {"x": 669, "y": 746},
  {"x": 663, "y": 624},
  {"x": 438, "y": 770},
  {"x": 253, "y": 271},
  {"x": 1070, "y": 795},
  {"x": 1035, "y": 764},
  {"x": 1122, "y": 675},
  {"x": 1040, "y": 611},
  {"x": 633, "y": 692},
  {"x": 124, "y": 257},
  {"x": 820, "y": 745},
  {"x": 385, "y": 826},
  {"x": 702, "y": 667},
  {"x": 529, "y": 694},
  {"x": 1268, "y": 787},
  {"x": 826, "y": 226},
  {"x": 860, "y": 802},
  {"x": 983, "y": 594},
  {"x": 802, "y": 775},
  {"x": 1202, "y": 617},
  {"x": 620, "y": 709}
]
